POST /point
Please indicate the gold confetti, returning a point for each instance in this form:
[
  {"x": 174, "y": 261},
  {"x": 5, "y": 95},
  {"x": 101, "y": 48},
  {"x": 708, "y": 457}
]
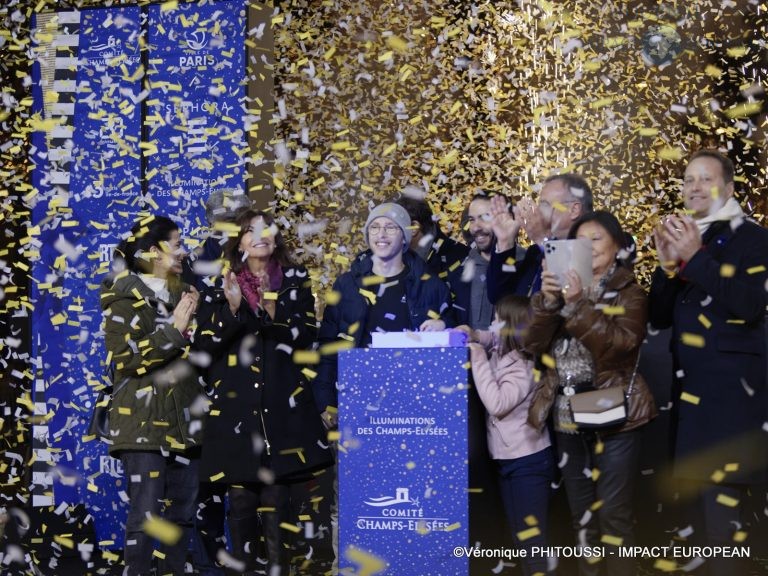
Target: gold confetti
[
  {"x": 290, "y": 527},
  {"x": 665, "y": 565},
  {"x": 397, "y": 44},
  {"x": 713, "y": 71},
  {"x": 524, "y": 535},
  {"x": 66, "y": 542},
  {"x": 614, "y": 310},
  {"x": 671, "y": 153},
  {"x": 744, "y": 110},
  {"x": 726, "y": 500},
  {"x": 693, "y": 340},
  {"x": 367, "y": 563},
  {"x": 306, "y": 357},
  {"x": 166, "y": 532},
  {"x": 612, "y": 540},
  {"x": 688, "y": 397}
]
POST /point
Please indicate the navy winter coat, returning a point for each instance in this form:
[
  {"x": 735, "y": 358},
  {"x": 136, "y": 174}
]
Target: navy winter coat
[
  {"x": 425, "y": 293},
  {"x": 716, "y": 309}
]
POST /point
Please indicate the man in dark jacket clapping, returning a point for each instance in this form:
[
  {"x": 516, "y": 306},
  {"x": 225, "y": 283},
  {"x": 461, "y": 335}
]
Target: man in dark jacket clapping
[{"x": 710, "y": 288}]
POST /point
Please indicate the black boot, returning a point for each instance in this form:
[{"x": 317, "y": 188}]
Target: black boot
[
  {"x": 276, "y": 498},
  {"x": 243, "y": 521}
]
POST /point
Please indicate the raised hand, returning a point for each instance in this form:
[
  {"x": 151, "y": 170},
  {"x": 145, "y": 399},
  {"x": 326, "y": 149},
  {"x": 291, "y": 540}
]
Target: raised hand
[
  {"x": 529, "y": 214},
  {"x": 432, "y": 325},
  {"x": 232, "y": 292},
  {"x": 505, "y": 226},
  {"x": 550, "y": 287},
  {"x": 687, "y": 239},
  {"x": 572, "y": 289}
]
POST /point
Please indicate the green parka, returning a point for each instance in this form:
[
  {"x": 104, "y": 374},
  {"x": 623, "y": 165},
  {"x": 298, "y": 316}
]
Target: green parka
[{"x": 154, "y": 384}]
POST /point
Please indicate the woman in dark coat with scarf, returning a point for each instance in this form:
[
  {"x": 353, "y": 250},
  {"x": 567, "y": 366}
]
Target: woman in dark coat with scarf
[{"x": 264, "y": 431}]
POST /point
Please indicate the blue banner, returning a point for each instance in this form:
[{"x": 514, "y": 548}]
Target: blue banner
[
  {"x": 403, "y": 473},
  {"x": 195, "y": 137},
  {"x": 88, "y": 172},
  {"x": 114, "y": 112}
]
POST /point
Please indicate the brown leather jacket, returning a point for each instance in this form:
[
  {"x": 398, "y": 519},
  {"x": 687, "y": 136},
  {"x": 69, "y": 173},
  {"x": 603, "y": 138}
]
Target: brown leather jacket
[{"x": 612, "y": 330}]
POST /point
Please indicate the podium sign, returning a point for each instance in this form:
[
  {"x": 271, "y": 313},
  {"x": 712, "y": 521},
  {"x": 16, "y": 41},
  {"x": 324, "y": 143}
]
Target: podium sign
[{"x": 403, "y": 473}]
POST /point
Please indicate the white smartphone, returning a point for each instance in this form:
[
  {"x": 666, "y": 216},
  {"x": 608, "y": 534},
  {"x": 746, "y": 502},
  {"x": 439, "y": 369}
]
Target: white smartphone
[{"x": 563, "y": 255}]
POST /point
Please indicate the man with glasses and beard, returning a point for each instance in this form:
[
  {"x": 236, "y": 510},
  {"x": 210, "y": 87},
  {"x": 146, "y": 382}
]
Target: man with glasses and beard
[{"x": 469, "y": 282}]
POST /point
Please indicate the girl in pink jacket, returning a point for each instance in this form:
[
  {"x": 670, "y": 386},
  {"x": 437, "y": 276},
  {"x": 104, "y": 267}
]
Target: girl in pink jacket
[{"x": 523, "y": 454}]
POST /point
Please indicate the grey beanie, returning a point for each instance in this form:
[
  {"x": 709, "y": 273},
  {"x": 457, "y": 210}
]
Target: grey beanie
[{"x": 397, "y": 214}]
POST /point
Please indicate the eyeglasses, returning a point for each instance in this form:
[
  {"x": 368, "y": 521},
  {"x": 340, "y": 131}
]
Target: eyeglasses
[{"x": 388, "y": 228}]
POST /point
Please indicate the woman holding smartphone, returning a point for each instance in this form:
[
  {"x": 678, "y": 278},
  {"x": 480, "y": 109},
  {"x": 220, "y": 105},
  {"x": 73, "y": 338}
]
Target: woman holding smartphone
[{"x": 589, "y": 337}]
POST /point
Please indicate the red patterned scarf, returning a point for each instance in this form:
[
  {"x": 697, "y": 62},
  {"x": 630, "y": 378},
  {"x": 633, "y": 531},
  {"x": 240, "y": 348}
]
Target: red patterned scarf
[{"x": 250, "y": 285}]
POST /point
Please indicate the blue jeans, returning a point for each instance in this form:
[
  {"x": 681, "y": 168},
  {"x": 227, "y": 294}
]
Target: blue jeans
[
  {"x": 171, "y": 492},
  {"x": 617, "y": 464},
  {"x": 525, "y": 488}
]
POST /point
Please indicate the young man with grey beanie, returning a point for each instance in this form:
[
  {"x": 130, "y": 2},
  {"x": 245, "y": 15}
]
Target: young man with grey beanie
[{"x": 387, "y": 289}]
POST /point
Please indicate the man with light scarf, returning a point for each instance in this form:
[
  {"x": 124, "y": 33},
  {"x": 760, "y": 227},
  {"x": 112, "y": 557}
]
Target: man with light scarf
[{"x": 710, "y": 288}]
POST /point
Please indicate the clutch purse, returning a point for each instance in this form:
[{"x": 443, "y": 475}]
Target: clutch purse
[{"x": 602, "y": 408}]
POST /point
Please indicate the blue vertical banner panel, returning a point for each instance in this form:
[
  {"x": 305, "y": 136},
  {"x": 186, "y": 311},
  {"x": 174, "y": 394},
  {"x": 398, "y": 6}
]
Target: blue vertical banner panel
[
  {"x": 196, "y": 142},
  {"x": 88, "y": 178},
  {"x": 403, "y": 473}
]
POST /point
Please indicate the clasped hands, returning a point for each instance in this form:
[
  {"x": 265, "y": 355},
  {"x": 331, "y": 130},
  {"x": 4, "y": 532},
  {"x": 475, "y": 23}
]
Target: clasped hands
[
  {"x": 677, "y": 239},
  {"x": 185, "y": 309}
]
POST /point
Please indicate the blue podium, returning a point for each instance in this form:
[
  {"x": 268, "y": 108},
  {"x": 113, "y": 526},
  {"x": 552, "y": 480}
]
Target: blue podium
[{"x": 403, "y": 461}]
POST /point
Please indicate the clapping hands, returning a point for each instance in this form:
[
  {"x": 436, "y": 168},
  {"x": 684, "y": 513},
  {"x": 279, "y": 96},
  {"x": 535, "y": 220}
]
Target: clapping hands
[
  {"x": 232, "y": 292},
  {"x": 185, "y": 310},
  {"x": 677, "y": 239}
]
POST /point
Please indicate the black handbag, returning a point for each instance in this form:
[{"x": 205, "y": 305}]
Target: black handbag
[
  {"x": 604, "y": 407},
  {"x": 99, "y": 424}
]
